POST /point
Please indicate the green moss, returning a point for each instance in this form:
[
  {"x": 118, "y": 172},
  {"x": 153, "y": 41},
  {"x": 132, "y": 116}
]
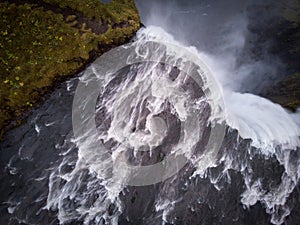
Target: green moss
[
  {"x": 115, "y": 11},
  {"x": 291, "y": 11},
  {"x": 287, "y": 92},
  {"x": 39, "y": 46}
]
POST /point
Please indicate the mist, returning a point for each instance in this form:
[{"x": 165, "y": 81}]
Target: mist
[
  {"x": 228, "y": 38},
  {"x": 223, "y": 32}
]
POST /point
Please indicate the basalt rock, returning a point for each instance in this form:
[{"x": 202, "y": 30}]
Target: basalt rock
[{"x": 279, "y": 29}]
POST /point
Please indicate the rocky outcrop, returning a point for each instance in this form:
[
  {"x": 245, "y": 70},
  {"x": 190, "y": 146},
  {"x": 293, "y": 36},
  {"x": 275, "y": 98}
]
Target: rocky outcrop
[
  {"x": 286, "y": 92},
  {"x": 278, "y": 27},
  {"x": 42, "y": 42}
]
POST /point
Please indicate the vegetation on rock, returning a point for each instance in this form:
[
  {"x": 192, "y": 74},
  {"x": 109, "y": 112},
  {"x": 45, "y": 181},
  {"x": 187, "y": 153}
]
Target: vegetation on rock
[
  {"x": 43, "y": 41},
  {"x": 287, "y": 91}
]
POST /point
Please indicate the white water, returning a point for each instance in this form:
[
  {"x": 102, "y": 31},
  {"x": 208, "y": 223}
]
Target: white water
[
  {"x": 272, "y": 130},
  {"x": 267, "y": 124}
]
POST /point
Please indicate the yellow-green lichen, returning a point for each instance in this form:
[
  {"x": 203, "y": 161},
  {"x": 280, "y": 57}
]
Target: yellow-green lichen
[
  {"x": 39, "y": 46},
  {"x": 116, "y": 11}
]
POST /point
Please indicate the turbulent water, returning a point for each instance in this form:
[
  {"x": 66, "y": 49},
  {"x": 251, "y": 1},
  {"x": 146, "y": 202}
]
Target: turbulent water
[
  {"x": 152, "y": 133},
  {"x": 145, "y": 113}
]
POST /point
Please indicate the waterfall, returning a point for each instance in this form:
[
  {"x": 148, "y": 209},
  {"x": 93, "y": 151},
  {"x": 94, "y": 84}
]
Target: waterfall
[{"x": 162, "y": 120}]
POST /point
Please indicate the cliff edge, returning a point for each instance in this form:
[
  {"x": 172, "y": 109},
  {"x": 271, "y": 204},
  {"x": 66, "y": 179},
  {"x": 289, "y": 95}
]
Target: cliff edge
[{"x": 42, "y": 42}]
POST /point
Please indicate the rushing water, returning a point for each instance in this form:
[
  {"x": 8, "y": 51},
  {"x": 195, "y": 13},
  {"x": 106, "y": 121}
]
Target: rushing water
[
  {"x": 47, "y": 179},
  {"x": 145, "y": 113}
]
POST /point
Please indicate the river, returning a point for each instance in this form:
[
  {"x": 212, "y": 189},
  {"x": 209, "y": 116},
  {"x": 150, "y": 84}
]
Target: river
[{"x": 163, "y": 130}]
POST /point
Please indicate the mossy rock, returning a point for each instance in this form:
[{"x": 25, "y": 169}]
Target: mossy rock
[
  {"x": 287, "y": 92},
  {"x": 43, "y": 41},
  {"x": 287, "y": 47}
]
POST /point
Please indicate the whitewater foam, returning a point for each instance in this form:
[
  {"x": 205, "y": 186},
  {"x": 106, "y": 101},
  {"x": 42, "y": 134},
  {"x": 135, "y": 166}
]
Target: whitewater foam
[{"x": 251, "y": 115}]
